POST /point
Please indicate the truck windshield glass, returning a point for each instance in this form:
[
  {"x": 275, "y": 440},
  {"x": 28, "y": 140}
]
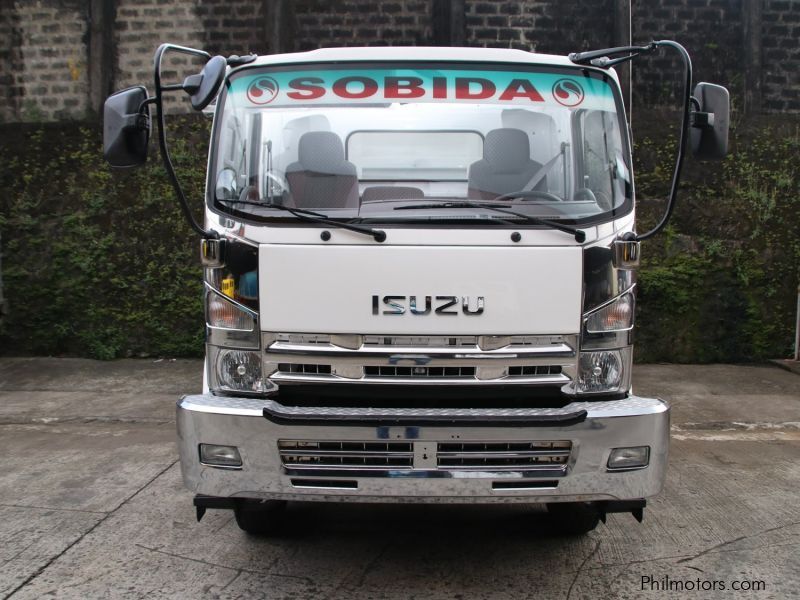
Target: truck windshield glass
[{"x": 357, "y": 141}]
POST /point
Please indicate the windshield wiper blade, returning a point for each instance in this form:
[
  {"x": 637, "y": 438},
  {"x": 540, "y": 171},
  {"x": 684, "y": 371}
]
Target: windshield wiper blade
[
  {"x": 580, "y": 234},
  {"x": 314, "y": 217}
]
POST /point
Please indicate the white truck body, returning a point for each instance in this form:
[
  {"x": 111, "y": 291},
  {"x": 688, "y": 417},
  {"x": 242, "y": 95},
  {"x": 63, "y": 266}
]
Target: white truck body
[{"x": 346, "y": 403}]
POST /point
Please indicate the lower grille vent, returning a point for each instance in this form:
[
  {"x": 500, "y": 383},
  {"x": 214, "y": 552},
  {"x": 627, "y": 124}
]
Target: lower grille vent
[
  {"x": 503, "y": 455},
  {"x": 420, "y": 372},
  {"x": 301, "y": 454},
  {"x": 307, "y": 369},
  {"x": 529, "y": 371}
]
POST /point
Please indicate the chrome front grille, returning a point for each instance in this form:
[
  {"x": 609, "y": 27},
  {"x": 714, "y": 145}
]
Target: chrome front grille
[
  {"x": 417, "y": 340},
  {"x": 336, "y": 455},
  {"x": 543, "y": 360},
  {"x": 493, "y": 456},
  {"x": 306, "y": 457}
]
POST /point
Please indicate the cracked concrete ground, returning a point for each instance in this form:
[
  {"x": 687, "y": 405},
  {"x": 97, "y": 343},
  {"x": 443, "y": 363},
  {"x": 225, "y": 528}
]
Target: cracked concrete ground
[{"x": 91, "y": 504}]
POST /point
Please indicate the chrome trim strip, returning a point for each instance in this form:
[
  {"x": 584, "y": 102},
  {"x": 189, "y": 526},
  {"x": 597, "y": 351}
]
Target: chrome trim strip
[
  {"x": 297, "y": 468},
  {"x": 338, "y": 353},
  {"x": 519, "y": 472},
  {"x": 430, "y": 357},
  {"x": 346, "y": 356},
  {"x": 550, "y": 468},
  {"x": 542, "y": 380},
  {"x": 501, "y": 454}
]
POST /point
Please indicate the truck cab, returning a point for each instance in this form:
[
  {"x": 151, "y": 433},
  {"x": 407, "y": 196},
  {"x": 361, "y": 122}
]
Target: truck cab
[{"x": 420, "y": 281}]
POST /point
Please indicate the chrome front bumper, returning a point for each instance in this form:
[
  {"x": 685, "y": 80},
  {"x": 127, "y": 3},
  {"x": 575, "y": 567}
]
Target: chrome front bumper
[{"x": 256, "y": 426}]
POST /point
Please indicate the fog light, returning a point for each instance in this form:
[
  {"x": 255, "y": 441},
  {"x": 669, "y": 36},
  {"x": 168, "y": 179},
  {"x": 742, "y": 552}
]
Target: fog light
[
  {"x": 629, "y": 458},
  {"x": 220, "y": 456}
]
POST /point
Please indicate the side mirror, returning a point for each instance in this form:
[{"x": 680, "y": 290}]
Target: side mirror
[
  {"x": 708, "y": 136},
  {"x": 126, "y": 130},
  {"x": 203, "y": 87}
]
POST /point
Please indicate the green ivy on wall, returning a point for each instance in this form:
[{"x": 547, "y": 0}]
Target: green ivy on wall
[
  {"x": 102, "y": 264},
  {"x": 98, "y": 263},
  {"x": 721, "y": 283}
]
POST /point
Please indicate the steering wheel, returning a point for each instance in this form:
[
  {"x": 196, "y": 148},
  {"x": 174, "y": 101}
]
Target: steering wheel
[
  {"x": 542, "y": 195},
  {"x": 584, "y": 194},
  {"x": 600, "y": 198}
]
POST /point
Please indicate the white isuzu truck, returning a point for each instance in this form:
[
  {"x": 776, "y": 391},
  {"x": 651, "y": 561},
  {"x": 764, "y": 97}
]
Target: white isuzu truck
[{"x": 419, "y": 271}]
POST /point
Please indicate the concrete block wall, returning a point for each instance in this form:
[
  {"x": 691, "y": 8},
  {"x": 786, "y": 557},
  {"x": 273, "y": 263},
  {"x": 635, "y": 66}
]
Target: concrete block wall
[
  {"x": 547, "y": 26},
  {"x": 140, "y": 27},
  {"x": 43, "y": 59},
  {"x": 711, "y": 30},
  {"x": 325, "y": 23},
  {"x": 51, "y": 50},
  {"x": 780, "y": 38},
  {"x": 9, "y": 60},
  {"x": 234, "y": 26}
]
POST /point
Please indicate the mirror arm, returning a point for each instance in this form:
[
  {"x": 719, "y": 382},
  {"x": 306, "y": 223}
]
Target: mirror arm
[
  {"x": 682, "y": 141},
  {"x": 701, "y": 119},
  {"x": 147, "y": 102},
  {"x": 162, "y": 137}
]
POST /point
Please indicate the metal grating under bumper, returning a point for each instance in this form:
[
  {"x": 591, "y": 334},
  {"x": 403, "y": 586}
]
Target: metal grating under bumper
[{"x": 540, "y": 360}]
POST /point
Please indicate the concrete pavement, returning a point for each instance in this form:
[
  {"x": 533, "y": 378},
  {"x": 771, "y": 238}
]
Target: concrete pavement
[{"x": 91, "y": 505}]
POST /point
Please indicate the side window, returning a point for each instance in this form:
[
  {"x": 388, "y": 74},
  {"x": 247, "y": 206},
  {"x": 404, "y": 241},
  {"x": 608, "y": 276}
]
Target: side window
[
  {"x": 596, "y": 159},
  {"x": 232, "y": 175},
  {"x": 604, "y": 171}
]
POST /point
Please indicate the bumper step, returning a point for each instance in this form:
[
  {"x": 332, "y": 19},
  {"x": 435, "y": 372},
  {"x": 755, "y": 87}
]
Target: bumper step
[{"x": 520, "y": 417}]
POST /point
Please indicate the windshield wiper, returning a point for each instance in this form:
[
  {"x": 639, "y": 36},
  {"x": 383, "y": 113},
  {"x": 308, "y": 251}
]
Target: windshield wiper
[
  {"x": 580, "y": 234},
  {"x": 314, "y": 217}
]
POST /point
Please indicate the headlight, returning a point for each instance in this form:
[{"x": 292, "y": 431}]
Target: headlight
[
  {"x": 604, "y": 371},
  {"x": 240, "y": 371},
  {"x": 615, "y": 316}
]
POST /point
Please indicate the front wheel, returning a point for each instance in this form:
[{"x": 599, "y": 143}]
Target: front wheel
[
  {"x": 260, "y": 517},
  {"x": 574, "y": 518}
]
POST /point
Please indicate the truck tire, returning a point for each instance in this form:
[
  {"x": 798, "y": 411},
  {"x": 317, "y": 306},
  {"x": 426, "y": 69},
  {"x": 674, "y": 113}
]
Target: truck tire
[
  {"x": 260, "y": 517},
  {"x": 574, "y": 518}
]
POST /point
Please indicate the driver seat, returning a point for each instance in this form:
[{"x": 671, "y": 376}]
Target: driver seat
[
  {"x": 506, "y": 165},
  {"x": 321, "y": 177}
]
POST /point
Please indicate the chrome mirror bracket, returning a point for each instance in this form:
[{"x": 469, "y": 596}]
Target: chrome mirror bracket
[
  {"x": 212, "y": 253},
  {"x": 626, "y": 254}
]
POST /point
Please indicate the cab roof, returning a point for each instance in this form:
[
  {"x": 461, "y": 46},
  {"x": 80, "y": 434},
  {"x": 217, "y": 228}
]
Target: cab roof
[{"x": 411, "y": 53}]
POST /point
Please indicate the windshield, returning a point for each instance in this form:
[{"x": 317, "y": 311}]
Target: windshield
[{"x": 358, "y": 141}]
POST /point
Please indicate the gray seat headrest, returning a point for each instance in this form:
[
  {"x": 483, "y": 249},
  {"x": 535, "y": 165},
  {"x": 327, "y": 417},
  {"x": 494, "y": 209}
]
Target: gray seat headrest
[
  {"x": 322, "y": 152},
  {"x": 507, "y": 150}
]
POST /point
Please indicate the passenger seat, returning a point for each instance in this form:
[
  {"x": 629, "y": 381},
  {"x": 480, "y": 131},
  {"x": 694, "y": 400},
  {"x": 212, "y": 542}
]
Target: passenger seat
[
  {"x": 506, "y": 165},
  {"x": 321, "y": 177}
]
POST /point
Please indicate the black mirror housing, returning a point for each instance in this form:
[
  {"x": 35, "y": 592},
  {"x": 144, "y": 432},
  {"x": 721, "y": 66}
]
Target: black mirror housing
[
  {"x": 708, "y": 136},
  {"x": 126, "y": 127},
  {"x": 203, "y": 87}
]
